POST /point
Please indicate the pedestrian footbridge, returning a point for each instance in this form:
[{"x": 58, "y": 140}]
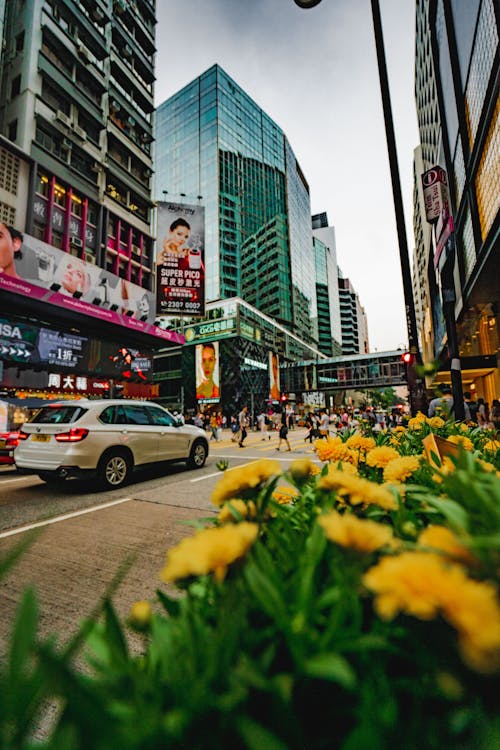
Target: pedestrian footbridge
[{"x": 354, "y": 371}]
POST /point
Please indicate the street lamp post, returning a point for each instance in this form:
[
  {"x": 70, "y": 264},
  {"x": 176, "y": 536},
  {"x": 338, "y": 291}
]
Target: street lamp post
[{"x": 415, "y": 384}]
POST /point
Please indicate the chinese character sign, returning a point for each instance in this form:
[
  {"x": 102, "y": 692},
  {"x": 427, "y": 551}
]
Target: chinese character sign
[
  {"x": 180, "y": 259},
  {"x": 207, "y": 372}
]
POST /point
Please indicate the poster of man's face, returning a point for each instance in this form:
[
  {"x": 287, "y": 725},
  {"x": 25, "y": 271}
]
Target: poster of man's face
[{"x": 207, "y": 370}]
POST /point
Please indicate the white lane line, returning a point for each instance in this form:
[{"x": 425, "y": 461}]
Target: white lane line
[
  {"x": 21, "y": 529},
  {"x": 207, "y": 476},
  {"x": 19, "y": 479}
]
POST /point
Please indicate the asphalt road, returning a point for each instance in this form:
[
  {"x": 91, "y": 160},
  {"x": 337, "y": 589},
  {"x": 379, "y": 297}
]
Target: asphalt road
[{"x": 84, "y": 535}]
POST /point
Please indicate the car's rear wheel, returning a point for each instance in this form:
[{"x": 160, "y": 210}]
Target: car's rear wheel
[
  {"x": 114, "y": 469},
  {"x": 198, "y": 455}
]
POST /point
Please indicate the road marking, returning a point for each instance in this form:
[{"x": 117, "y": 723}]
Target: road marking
[
  {"x": 207, "y": 476},
  {"x": 65, "y": 517},
  {"x": 19, "y": 479}
]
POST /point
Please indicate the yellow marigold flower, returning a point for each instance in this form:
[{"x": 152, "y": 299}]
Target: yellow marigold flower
[
  {"x": 209, "y": 551},
  {"x": 465, "y": 427},
  {"x": 357, "y": 490},
  {"x": 381, "y": 456},
  {"x": 360, "y": 443},
  {"x": 415, "y": 424},
  {"x": 301, "y": 469},
  {"x": 140, "y": 615},
  {"x": 490, "y": 468},
  {"x": 442, "y": 539},
  {"x": 435, "y": 422},
  {"x": 347, "y": 468},
  {"x": 399, "y": 429},
  {"x": 285, "y": 495},
  {"x": 425, "y": 585},
  {"x": 462, "y": 440},
  {"x": 447, "y": 467},
  {"x": 245, "y": 509},
  {"x": 491, "y": 446},
  {"x": 349, "y": 531},
  {"x": 332, "y": 449},
  {"x": 237, "y": 481},
  {"x": 399, "y": 469}
]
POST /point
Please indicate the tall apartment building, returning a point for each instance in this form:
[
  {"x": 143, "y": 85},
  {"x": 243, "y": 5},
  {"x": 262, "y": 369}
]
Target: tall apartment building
[
  {"x": 327, "y": 288},
  {"x": 458, "y": 103},
  {"x": 353, "y": 319},
  {"x": 76, "y": 104}
]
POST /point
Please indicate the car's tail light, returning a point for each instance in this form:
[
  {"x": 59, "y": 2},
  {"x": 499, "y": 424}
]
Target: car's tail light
[
  {"x": 73, "y": 436},
  {"x": 12, "y": 439},
  {"x": 22, "y": 435}
]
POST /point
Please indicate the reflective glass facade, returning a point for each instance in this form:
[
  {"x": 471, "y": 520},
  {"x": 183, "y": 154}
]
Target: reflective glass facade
[{"x": 213, "y": 141}]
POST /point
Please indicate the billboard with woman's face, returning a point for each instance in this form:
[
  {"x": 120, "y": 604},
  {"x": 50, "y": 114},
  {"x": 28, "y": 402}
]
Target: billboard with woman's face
[
  {"x": 35, "y": 269},
  {"x": 180, "y": 260},
  {"x": 274, "y": 376},
  {"x": 207, "y": 372}
]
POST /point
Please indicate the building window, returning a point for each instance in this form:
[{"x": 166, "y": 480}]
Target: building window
[
  {"x": 12, "y": 130},
  {"x": 488, "y": 176},
  {"x": 15, "y": 88},
  {"x": 20, "y": 42}
]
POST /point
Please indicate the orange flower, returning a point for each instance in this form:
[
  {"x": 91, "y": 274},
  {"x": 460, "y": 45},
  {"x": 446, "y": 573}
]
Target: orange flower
[{"x": 349, "y": 531}]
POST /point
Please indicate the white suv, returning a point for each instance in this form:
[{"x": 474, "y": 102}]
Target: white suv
[{"x": 105, "y": 438}]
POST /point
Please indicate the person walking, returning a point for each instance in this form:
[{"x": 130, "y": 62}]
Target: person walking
[
  {"x": 261, "y": 423},
  {"x": 324, "y": 424},
  {"x": 310, "y": 427},
  {"x": 243, "y": 423},
  {"x": 283, "y": 435}
]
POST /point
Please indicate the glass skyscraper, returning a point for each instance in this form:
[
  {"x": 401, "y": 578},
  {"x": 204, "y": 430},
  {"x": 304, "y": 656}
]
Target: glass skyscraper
[{"x": 214, "y": 143}]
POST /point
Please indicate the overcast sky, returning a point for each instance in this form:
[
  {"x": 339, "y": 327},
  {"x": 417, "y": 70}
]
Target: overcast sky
[{"x": 314, "y": 72}]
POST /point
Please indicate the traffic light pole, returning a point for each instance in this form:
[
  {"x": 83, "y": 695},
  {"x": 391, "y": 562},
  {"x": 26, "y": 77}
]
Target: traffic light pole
[{"x": 415, "y": 384}]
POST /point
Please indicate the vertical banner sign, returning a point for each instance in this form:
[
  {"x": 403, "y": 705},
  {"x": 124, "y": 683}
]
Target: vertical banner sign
[
  {"x": 207, "y": 372},
  {"x": 437, "y": 208},
  {"x": 180, "y": 259},
  {"x": 436, "y": 198},
  {"x": 274, "y": 376}
]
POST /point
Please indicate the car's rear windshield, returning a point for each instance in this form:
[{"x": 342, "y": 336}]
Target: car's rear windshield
[{"x": 57, "y": 414}]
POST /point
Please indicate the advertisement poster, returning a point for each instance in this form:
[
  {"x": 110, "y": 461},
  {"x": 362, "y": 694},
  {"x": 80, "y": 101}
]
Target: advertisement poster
[
  {"x": 35, "y": 269},
  {"x": 21, "y": 343},
  {"x": 180, "y": 259},
  {"x": 274, "y": 376},
  {"x": 207, "y": 372}
]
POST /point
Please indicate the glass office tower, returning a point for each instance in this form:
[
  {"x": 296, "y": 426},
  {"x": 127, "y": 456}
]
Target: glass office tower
[{"x": 215, "y": 144}]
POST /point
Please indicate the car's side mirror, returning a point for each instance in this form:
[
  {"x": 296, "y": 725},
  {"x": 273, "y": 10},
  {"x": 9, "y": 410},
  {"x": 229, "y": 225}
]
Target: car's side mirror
[{"x": 177, "y": 422}]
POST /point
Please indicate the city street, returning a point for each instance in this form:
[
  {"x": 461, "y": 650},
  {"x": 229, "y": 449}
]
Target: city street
[{"x": 83, "y": 535}]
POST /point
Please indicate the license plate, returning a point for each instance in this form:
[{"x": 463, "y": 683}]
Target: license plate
[
  {"x": 40, "y": 438},
  {"x": 3, "y": 443}
]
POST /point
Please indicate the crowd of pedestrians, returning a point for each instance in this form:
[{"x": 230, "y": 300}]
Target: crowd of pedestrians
[{"x": 322, "y": 423}]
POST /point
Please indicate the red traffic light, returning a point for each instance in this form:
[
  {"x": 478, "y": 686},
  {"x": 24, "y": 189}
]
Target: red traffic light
[
  {"x": 408, "y": 358},
  {"x": 283, "y": 397}
]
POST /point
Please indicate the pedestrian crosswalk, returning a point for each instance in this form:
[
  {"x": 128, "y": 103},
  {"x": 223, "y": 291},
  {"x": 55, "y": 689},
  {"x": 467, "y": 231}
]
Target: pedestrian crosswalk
[{"x": 265, "y": 444}]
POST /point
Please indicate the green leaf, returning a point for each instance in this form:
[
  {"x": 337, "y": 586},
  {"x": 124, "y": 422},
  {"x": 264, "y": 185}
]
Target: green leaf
[
  {"x": 11, "y": 558},
  {"x": 331, "y": 667},
  {"x": 257, "y": 737},
  {"x": 266, "y": 593},
  {"x": 452, "y": 511},
  {"x": 170, "y": 605},
  {"x": 114, "y": 632},
  {"x": 24, "y": 633}
]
